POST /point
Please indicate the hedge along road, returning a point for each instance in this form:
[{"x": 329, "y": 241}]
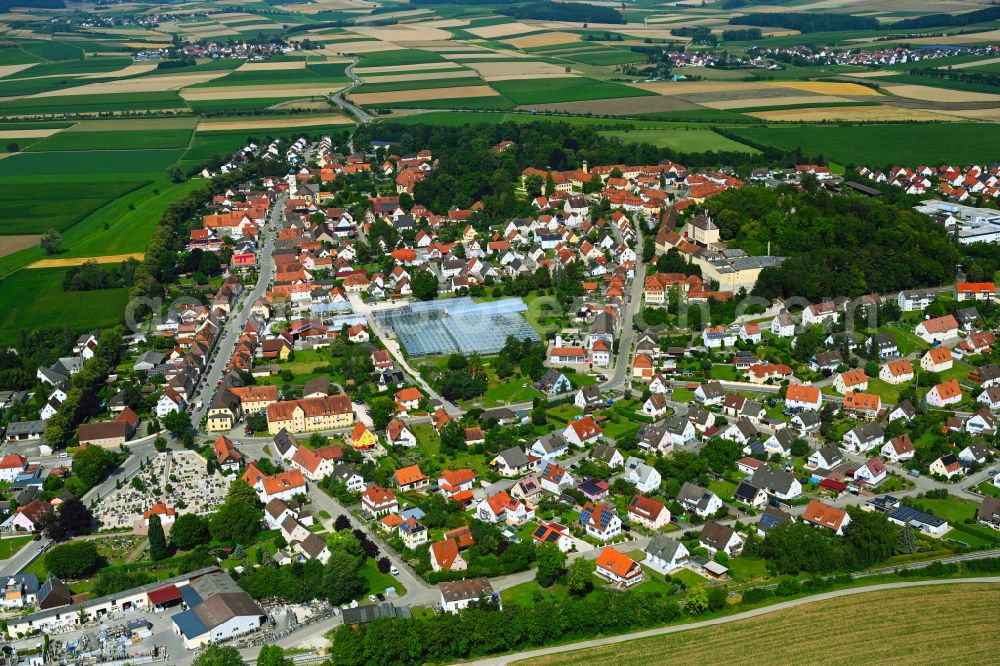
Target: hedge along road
[{"x": 756, "y": 612}]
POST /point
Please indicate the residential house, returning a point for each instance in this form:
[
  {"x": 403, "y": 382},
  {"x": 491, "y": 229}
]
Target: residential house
[
  {"x": 664, "y": 554},
  {"x": 828, "y": 517},
  {"x": 600, "y": 521},
  {"x": 944, "y": 394},
  {"x": 716, "y": 537},
  {"x": 644, "y": 477},
  {"x": 898, "y": 449},
  {"x": 618, "y": 568},
  {"x": 698, "y": 501}
]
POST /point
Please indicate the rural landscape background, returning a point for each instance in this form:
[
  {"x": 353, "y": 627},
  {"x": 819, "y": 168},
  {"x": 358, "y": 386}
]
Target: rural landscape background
[
  {"x": 112, "y": 112},
  {"x": 99, "y": 139}
]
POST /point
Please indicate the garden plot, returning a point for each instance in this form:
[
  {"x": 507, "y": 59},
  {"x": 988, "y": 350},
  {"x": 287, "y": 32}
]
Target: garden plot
[{"x": 178, "y": 478}]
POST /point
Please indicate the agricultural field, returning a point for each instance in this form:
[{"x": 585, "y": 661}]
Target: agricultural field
[
  {"x": 34, "y": 299},
  {"x": 881, "y": 145},
  {"x": 899, "y": 615},
  {"x": 681, "y": 139}
]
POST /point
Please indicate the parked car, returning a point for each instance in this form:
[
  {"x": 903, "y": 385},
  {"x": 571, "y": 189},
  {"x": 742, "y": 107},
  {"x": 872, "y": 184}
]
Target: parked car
[{"x": 393, "y": 570}]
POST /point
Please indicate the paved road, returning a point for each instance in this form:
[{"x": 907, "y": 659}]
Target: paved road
[
  {"x": 620, "y": 376},
  {"x": 238, "y": 318},
  {"x": 338, "y": 98},
  {"x": 757, "y": 612}
]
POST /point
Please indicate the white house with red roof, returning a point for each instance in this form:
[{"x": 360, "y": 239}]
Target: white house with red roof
[
  {"x": 11, "y": 466},
  {"x": 872, "y": 472},
  {"x": 581, "y": 432}
]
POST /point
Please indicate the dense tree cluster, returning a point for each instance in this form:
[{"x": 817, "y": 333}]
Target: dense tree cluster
[
  {"x": 794, "y": 547},
  {"x": 73, "y": 560},
  {"x": 809, "y": 22},
  {"x": 837, "y": 245},
  {"x": 90, "y": 276}
]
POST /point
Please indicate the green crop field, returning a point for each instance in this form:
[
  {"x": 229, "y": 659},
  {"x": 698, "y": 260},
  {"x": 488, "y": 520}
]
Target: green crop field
[
  {"x": 33, "y": 299},
  {"x": 73, "y": 67},
  {"x": 110, "y": 140},
  {"x": 605, "y": 57},
  {"x": 29, "y": 209},
  {"x": 882, "y": 145},
  {"x": 398, "y": 57},
  {"x": 573, "y": 89},
  {"x": 685, "y": 140},
  {"x": 224, "y": 105},
  {"x": 309, "y": 75},
  {"x": 107, "y": 162},
  {"x": 495, "y": 103},
  {"x": 416, "y": 85},
  {"x": 51, "y": 50},
  {"x": 76, "y": 104}
]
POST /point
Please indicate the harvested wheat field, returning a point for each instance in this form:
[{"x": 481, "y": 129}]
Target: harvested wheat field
[
  {"x": 420, "y": 95},
  {"x": 271, "y": 123},
  {"x": 692, "y": 87},
  {"x": 79, "y": 261},
  {"x": 12, "y": 244},
  {"x": 406, "y": 32},
  {"x": 992, "y": 113},
  {"x": 135, "y": 69},
  {"x": 27, "y": 133},
  {"x": 420, "y": 76},
  {"x": 522, "y": 69},
  {"x": 772, "y": 101},
  {"x": 827, "y": 87},
  {"x": 359, "y": 47},
  {"x": 143, "y": 84},
  {"x": 971, "y": 38},
  {"x": 932, "y": 94},
  {"x": 875, "y": 113},
  {"x": 7, "y": 70},
  {"x": 261, "y": 92},
  {"x": 543, "y": 39},
  {"x": 401, "y": 69},
  {"x": 483, "y": 55},
  {"x": 271, "y": 66},
  {"x": 908, "y": 624}
]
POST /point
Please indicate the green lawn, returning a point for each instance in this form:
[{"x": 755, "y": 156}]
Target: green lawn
[
  {"x": 725, "y": 371},
  {"x": 723, "y": 489},
  {"x": 378, "y": 581},
  {"x": 689, "y": 578},
  {"x": 743, "y": 569},
  {"x": 514, "y": 390},
  {"x": 952, "y": 509},
  {"x": 529, "y": 593},
  {"x": 686, "y": 140},
  {"x": 429, "y": 445},
  {"x": 987, "y": 488},
  {"x": 888, "y": 392},
  {"x": 8, "y": 547}
]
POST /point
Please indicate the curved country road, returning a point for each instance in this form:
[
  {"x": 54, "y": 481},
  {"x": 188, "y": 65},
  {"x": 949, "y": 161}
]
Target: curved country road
[{"x": 572, "y": 647}]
